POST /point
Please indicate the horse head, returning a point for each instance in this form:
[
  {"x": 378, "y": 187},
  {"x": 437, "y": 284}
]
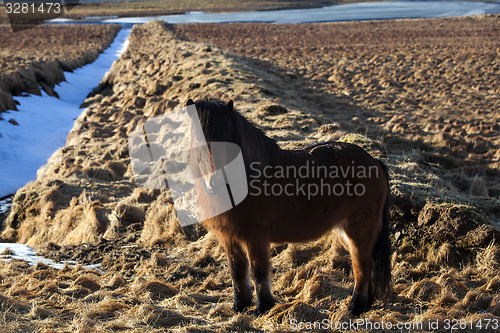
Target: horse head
[{"x": 215, "y": 145}]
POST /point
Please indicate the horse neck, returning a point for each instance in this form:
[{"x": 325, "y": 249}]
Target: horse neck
[{"x": 255, "y": 145}]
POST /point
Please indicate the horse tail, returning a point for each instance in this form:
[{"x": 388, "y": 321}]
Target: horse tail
[{"x": 381, "y": 253}]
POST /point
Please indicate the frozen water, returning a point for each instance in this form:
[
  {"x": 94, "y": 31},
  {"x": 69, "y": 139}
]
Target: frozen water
[{"x": 350, "y": 12}]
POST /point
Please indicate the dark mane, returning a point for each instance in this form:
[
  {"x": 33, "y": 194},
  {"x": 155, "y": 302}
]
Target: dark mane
[{"x": 217, "y": 119}]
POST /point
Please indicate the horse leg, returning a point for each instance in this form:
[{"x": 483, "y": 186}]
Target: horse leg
[
  {"x": 360, "y": 250},
  {"x": 259, "y": 255},
  {"x": 239, "y": 269}
]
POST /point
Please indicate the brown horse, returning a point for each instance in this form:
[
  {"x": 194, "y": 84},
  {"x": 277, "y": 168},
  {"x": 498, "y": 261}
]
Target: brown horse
[{"x": 296, "y": 196}]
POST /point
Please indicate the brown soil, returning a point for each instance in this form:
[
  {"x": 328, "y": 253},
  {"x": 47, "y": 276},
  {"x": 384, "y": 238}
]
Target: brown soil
[
  {"x": 158, "y": 276},
  {"x": 34, "y": 59}
]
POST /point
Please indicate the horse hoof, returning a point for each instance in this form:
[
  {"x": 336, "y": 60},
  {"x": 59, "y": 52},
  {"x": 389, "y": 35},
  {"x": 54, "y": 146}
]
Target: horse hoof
[
  {"x": 356, "y": 307},
  {"x": 240, "y": 306},
  {"x": 259, "y": 312},
  {"x": 263, "y": 306}
]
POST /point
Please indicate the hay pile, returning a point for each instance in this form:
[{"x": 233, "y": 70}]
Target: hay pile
[{"x": 85, "y": 206}]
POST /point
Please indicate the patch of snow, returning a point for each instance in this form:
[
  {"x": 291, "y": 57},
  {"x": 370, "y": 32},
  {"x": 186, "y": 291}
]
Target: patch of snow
[
  {"x": 5, "y": 204},
  {"x": 26, "y": 253},
  {"x": 61, "y": 20}
]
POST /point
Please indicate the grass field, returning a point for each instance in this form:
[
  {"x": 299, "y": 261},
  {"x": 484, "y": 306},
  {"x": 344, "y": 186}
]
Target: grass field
[{"x": 416, "y": 86}]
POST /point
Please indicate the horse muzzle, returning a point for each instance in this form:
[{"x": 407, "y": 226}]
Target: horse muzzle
[{"x": 215, "y": 183}]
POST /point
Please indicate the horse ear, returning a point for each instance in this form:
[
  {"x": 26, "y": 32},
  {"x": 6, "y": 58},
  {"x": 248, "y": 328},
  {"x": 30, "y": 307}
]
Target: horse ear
[
  {"x": 189, "y": 102},
  {"x": 230, "y": 105}
]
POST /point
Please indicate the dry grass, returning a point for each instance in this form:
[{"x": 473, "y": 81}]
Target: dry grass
[
  {"x": 488, "y": 261},
  {"x": 159, "y": 276}
]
